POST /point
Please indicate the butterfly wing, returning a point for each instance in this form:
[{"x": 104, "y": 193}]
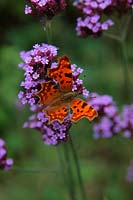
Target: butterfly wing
[
  {"x": 59, "y": 113},
  {"x": 48, "y": 93},
  {"x": 62, "y": 74},
  {"x": 49, "y": 97},
  {"x": 82, "y": 109}
]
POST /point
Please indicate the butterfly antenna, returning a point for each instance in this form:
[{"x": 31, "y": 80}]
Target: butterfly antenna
[{"x": 91, "y": 96}]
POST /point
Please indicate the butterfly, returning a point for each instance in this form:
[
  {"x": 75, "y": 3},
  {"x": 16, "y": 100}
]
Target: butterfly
[{"x": 57, "y": 98}]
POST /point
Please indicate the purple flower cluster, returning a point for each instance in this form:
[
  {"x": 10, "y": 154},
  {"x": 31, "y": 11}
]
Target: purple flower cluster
[
  {"x": 53, "y": 133},
  {"x": 5, "y": 163},
  {"x": 104, "y": 104},
  {"x": 43, "y": 8},
  {"x": 110, "y": 121},
  {"x": 95, "y": 12},
  {"x": 106, "y": 126},
  {"x": 35, "y": 64}
]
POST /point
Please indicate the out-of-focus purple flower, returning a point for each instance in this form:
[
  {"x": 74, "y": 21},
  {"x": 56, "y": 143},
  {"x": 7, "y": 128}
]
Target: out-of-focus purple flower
[
  {"x": 35, "y": 64},
  {"x": 96, "y": 15},
  {"x": 104, "y": 104},
  {"x": 45, "y": 8},
  {"x": 105, "y": 128},
  {"x": 110, "y": 122},
  {"x": 5, "y": 163},
  {"x": 129, "y": 176},
  {"x": 107, "y": 124},
  {"x": 90, "y": 26}
]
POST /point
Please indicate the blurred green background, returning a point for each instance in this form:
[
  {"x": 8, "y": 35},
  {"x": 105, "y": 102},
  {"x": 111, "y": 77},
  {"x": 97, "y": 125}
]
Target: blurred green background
[{"x": 37, "y": 173}]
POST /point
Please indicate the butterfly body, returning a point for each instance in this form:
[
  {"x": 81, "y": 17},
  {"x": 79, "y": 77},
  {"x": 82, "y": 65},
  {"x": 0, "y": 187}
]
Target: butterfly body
[
  {"x": 58, "y": 99},
  {"x": 68, "y": 97}
]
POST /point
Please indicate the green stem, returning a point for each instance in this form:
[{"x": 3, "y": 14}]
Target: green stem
[
  {"x": 46, "y": 24},
  {"x": 69, "y": 173},
  {"x": 112, "y": 36},
  {"x": 122, "y": 31},
  {"x": 125, "y": 69},
  {"x": 63, "y": 171},
  {"x": 48, "y": 31},
  {"x": 124, "y": 59},
  {"x": 77, "y": 165}
]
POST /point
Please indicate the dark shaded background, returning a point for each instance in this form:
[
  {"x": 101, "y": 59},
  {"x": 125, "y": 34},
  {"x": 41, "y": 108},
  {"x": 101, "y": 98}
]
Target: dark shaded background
[{"x": 104, "y": 162}]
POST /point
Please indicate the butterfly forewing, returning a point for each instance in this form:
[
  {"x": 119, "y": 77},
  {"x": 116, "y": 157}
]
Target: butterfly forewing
[
  {"x": 49, "y": 93},
  {"x": 62, "y": 74}
]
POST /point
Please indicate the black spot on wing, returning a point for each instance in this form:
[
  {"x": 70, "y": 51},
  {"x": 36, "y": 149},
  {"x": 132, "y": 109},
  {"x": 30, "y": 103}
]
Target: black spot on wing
[
  {"x": 60, "y": 76},
  {"x": 68, "y": 75},
  {"x": 61, "y": 82},
  {"x": 79, "y": 102},
  {"x": 84, "y": 105}
]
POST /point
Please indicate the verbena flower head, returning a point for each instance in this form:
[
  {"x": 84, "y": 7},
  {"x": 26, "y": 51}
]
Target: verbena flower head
[
  {"x": 96, "y": 15},
  {"x": 104, "y": 104},
  {"x": 36, "y": 63},
  {"x": 110, "y": 121},
  {"x": 107, "y": 124},
  {"x": 43, "y": 8},
  {"x": 5, "y": 163},
  {"x": 52, "y": 134}
]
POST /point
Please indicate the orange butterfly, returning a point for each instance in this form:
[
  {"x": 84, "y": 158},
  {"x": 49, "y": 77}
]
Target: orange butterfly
[{"x": 58, "y": 99}]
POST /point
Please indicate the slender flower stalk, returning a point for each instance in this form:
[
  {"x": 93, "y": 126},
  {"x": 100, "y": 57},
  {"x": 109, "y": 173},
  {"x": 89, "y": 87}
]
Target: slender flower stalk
[
  {"x": 124, "y": 59},
  {"x": 48, "y": 31},
  {"x": 71, "y": 182},
  {"x": 63, "y": 170},
  {"x": 78, "y": 170},
  {"x": 67, "y": 172}
]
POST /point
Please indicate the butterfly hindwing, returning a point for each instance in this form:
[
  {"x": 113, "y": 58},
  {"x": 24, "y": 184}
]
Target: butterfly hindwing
[
  {"x": 82, "y": 109},
  {"x": 59, "y": 113}
]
